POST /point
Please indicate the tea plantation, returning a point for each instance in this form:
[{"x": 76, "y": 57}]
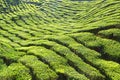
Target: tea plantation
[{"x": 59, "y": 39}]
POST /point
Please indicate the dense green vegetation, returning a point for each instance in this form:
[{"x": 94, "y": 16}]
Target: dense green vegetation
[{"x": 59, "y": 40}]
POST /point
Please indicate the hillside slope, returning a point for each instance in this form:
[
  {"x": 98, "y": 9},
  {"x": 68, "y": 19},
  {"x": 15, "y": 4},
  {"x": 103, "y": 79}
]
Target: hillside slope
[{"x": 59, "y": 40}]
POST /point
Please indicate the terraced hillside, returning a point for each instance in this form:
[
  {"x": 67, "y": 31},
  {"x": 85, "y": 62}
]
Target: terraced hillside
[{"x": 59, "y": 39}]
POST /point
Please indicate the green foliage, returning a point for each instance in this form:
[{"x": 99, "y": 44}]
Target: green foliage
[
  {"x": 9, "y": 53},
  {"x": 111, "y": 34},
  {"x": 13, "y": 2},
  {"x": 40, "y": 70},
  {"x": 107, "y": 47},
  {"x": 2, "y": 64},
  {"x": 59, "y": 39},
  {"x": 15, "y": 71}
]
